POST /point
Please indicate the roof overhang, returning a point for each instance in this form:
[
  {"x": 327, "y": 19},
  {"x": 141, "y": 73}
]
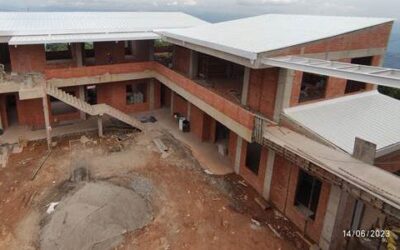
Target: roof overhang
[
  {"x": 73, "y": 38},
  {"x": 369, "y": 74}
]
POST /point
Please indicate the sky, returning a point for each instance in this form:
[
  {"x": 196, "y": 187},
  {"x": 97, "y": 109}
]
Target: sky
[{"x": 217, "y": 10}]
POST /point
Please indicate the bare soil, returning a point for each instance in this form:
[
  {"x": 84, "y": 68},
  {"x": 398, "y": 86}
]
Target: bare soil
[{"x": 191, "y": 209}]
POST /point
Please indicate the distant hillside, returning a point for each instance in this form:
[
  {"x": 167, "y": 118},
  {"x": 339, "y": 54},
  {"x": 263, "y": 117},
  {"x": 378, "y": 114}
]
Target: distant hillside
[{"x": 392, "y": 59}]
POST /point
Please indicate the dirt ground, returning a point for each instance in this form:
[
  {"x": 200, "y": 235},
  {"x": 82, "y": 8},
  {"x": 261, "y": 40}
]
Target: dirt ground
[{"x": 192, "y": 210}]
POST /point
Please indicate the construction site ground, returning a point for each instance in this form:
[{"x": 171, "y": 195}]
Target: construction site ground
[{"x": 189, "y": 207}]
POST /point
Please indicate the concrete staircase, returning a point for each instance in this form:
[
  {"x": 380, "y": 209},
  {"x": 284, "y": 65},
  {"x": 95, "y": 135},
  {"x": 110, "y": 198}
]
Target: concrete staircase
[{"x": 98, "y": 109}]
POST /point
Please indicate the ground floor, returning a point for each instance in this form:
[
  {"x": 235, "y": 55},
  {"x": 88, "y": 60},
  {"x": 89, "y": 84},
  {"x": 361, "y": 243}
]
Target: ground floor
[
  {"x": 295, "y": 195},
  {"x": 184, "y": 205}
]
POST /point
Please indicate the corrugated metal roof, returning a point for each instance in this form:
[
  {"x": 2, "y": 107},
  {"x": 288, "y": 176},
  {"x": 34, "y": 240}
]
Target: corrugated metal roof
[
  {"x": 45, "y": 23},
  {"x": 370, "y": 116},
  {"x": 248, "y": 36},
  {"x": 21, "y": 40}
]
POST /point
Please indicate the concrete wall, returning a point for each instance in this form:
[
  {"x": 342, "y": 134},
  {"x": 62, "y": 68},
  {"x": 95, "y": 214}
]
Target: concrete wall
[
  {"x": 282, "y": 196},
  {"x": 181, "y": 60},
  {"x": 263, "y": 85}
]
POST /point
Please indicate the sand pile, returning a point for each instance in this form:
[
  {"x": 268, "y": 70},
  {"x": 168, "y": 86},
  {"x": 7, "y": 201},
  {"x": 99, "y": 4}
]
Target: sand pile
[{"x": 95, "y": 217}]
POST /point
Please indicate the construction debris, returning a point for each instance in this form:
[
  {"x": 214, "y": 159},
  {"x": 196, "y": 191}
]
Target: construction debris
[
  {"x": 274, "y": 231},
  {"x": 84, "y": 140},
  {"x": 51, "y": 207},
  {"x": 262, "y": 203},
  {"x": 241, "y": 182},
  {"x": 44, "y": 159}
]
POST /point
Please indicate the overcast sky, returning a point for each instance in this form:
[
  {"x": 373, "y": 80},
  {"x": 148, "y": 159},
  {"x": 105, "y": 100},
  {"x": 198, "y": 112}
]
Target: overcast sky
[{"x": 218, "y": 10}]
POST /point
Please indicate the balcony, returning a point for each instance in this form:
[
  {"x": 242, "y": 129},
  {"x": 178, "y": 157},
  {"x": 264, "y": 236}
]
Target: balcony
[{"x": 227, "y": 111}]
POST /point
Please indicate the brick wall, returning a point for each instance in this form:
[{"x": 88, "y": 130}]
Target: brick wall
[
  {"x": 263, "y": 84},
  {"x": 114, "y": 94},
  {"x": 3, "y": 111},
  {"x": 181, "y": 60},
  {"x": 335, "y": 87},
  {"x": 256, "y": 181},
  {"x": 389, "y": 162},
  {"x": 55, "y": 119},
  {"x": 27, "y": 58},
  {"x": 180, "y": 105},
  {"x": 141, "y": 50},
  {"x": 30, "y": 113},
  {"x": 282, "y": 195},
  {"x": 374, "y": 37},
  {"x": 109, "y": 52}
]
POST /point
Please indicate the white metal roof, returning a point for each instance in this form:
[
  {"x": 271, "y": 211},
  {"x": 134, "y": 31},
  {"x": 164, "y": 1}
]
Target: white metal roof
[
  {"x": 371, "y": 74},
  {"x": 45, "y": 23},
  {"x": 371, "y": 116},
  {"x": 45, "y": 39},
  {"x": 248, "y": 36}
]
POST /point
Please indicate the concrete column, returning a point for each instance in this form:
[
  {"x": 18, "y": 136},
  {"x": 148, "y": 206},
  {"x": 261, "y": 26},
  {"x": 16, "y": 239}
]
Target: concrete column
[
  {"x": 172, "y": 102},
  {"x": 238, "y": 154},
  {"x": 151, "y": 50},
  {"x": 268, "y": 174},
  {"x": 283, "y": 92},
  {"x": 81, "y": 94},
  {"x": 100, "y": 125},
  {"x": 189, "y": 110},
  {"x": 245, "y": 87},
  {"x": 77, "y": 48},
  {"x": 151, "y": 94},
  {"x": 193, "y": 64},
  {"x": 47, "y": 120}
]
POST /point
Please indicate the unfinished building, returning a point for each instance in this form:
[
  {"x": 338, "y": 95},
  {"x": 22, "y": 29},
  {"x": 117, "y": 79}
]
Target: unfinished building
[{"x": 290, "y": 100}]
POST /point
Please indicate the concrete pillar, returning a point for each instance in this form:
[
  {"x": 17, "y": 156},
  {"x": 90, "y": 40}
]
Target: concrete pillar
[
  {"x": 77, "y": 49},
  {"x": 283, "y": 92},
  {"x": 189, "y": 110},
  {"x": 151, "y": 94},
  {"x": 238, "y": 154},
  {"x": 245, "y": 87},
  {"x": 268, "y": 174},
  {"x": 47, "y": 120},
  {"x": 100, "y": 125},
  {"x": 193, "y": 64},
  {"x": 151, "y": 50},
  {"x": 172, "y": 102},
  {"x": 81, "y": 94}
]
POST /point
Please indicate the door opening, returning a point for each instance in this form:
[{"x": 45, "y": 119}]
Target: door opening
[{"x": 11, "y": 106}]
